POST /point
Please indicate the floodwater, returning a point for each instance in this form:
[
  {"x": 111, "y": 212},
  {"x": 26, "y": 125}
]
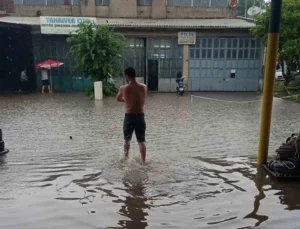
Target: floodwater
[{"x": 201, "y": 164}]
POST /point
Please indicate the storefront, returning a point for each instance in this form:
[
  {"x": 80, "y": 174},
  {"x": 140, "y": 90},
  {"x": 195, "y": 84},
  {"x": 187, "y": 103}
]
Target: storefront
[{"x": 216, "y": 55}]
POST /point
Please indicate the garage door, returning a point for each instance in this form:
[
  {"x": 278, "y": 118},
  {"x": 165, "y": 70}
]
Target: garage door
[{"x": 225, "y": 64}]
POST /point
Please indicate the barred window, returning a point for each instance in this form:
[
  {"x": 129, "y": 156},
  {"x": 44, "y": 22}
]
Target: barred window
[{"x": 226, "y": 48}]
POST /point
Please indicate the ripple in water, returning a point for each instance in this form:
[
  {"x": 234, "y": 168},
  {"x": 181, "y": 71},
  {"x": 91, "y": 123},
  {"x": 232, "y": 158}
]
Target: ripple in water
[{"x": 200, "y": 174}]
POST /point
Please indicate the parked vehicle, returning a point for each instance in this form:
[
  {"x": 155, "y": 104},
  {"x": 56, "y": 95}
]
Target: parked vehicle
[
  {"x": 279, "y": 76},
  {"x": 179, "y": 86}
]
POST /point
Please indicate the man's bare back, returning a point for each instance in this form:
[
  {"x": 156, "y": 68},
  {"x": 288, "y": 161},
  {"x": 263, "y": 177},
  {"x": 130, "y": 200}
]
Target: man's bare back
[{"x": 134, "y": 95}]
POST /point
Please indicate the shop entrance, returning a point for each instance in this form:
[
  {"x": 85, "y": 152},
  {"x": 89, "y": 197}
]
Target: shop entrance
[
  {"x": 16, "y": 54},
  {"x": 153, "y": 75}
]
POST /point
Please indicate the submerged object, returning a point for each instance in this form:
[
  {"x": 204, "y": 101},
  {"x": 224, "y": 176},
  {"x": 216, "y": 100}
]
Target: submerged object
[{"x": 3, "y": 151}]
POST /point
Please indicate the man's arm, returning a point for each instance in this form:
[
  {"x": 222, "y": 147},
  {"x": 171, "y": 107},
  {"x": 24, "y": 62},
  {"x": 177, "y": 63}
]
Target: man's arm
[{"x": 120, "y": 97}]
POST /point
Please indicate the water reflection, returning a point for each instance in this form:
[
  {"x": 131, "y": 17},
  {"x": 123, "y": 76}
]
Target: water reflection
[
  {"x": 134, "y": 207},
  {"x": 2, "y": 160},
  {"x": 288, "y": 193},
  {"x": 260, "y": 180}
]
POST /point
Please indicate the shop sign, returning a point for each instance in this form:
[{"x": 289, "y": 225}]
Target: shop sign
[
  {"x": 186, "y": 38},
  {"x": 62, "y": 25}
]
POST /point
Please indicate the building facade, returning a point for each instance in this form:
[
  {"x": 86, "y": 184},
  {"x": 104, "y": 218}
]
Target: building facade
[{"x": 202, "y": 39}]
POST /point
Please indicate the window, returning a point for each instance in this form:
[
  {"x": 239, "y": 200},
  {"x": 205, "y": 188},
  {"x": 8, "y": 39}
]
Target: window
[
  {"x": 192, "y": 53},
  {"x": 34, "y": 2},
  {"x": 232, "y": 45},
  {"x": 18, "y": 2},
  {"x": 201, "y": 3},
  {"x": 216, "y": 53},
  {"x": 144, "y": 2},
  {"x": 179, "y": 2},
  {"x": 203, "y": 49},
  {"x": 76, "y": 2},
  {"x": 48, "y": 2},
  {"x": 102, "y": 2},
  {"x": 198, "y": 3},
  {"x": 169, "y": 54},
  {"x": 226, "y": 48},
  {"x": 58, "y": 2},
  {"x": 219, "y": 3},
  {"x": 254, "y": 48},
  {"x": 248, "y": 49},
  {"x": 134, "y": 55}
]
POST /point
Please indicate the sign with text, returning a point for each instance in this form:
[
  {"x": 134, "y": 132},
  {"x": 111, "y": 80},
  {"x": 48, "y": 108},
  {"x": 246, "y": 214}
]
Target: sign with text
[
  {"x": 62, "y": 25},
  {"x": 186, "y": 38}
]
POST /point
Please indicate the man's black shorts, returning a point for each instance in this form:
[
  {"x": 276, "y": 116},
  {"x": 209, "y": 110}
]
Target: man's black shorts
[
  {"x": 45, "y": 82},
  {"x": 134, "y": 122}
]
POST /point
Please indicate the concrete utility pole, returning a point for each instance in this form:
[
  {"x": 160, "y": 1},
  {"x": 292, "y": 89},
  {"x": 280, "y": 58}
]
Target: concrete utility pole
[{"x": 269, "y": 81}]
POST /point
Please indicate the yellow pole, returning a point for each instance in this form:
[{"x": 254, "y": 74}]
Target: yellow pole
[{"x": 269, "y": 81}]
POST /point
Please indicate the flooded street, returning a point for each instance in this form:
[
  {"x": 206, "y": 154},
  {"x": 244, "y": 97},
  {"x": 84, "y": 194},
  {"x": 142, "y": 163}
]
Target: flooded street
[{"x": 201, "y": 164}]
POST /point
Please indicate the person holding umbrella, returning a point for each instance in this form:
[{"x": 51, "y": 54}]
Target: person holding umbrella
[
  {"x": 45, "y": 80},
  {"x": 45, "y": 69}
]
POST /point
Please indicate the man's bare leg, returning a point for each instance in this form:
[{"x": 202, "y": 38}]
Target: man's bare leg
[
  {"x": 143, "y": 152},
  {"x": 126, "y": 148},
  {"x": 43, "y": 89},
  {"x": 50, "y": 89}
]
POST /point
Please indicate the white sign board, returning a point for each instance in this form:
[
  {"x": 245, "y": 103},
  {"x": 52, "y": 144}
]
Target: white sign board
[
  {"x": 186, "y": 38},
  {"x": 62, "y": 25}
]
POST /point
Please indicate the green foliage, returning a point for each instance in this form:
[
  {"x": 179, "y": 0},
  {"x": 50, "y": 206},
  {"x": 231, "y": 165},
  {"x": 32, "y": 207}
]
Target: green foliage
[
  {"x": 108, "y": 90},
  {"x": 280, "y": 91},
  {"x": 279, "y": 87},
  {"x": 289, "y": 43},
  {"x": 90, "y": 92},
  {"x": 98, "y": 51},
  {"x": 295, "y": 98}
]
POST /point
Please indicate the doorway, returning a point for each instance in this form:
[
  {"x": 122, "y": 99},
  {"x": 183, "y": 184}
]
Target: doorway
[
  {"x": 16, "y": 55},
  {"x": 153, "y": 75}
]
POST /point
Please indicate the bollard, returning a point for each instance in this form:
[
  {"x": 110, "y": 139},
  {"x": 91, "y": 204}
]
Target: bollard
[
  {"x": 2, "y": 145},
  {"x": 98, "y": 90}
]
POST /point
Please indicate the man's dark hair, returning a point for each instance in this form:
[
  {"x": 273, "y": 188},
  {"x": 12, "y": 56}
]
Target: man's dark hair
[{"x": 130, "y": 72}]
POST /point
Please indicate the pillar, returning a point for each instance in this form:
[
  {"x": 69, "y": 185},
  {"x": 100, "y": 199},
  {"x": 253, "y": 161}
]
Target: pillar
[{"x": 185, "y": 64}]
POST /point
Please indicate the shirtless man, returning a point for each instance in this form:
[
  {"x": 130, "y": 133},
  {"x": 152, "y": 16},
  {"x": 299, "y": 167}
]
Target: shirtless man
[{"x": 133, "y": 95}]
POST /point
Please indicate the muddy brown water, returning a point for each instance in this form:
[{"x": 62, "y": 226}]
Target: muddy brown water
[{"x": 201, "y": 164}]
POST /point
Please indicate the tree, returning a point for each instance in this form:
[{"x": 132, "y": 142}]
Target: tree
[
  {"x": 289, "y": 42},
  {"x": 98, "y": 52}
]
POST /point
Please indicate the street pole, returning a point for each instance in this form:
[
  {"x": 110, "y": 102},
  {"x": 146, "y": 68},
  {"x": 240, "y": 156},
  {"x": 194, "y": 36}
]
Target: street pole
[{"x": 269, "y": 81}]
